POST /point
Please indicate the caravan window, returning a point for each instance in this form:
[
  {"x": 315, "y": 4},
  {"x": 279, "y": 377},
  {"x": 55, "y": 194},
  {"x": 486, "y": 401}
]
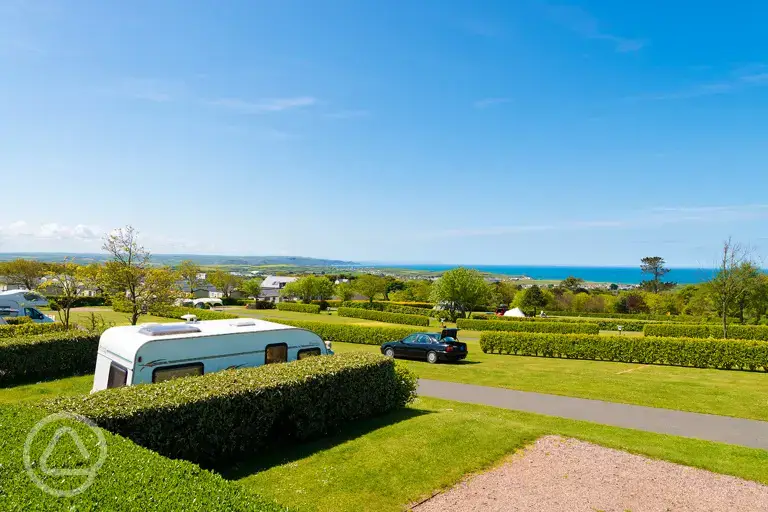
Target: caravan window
[
  {"x": 118, "y": 376},
  {"x": 277, "y": 353},
  {"x": 308, "y": 352},
  {"x": 174, "y": 372}
]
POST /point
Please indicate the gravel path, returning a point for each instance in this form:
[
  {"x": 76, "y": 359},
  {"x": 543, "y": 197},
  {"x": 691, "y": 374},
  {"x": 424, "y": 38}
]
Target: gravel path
[{"x": 558, "y": 474}]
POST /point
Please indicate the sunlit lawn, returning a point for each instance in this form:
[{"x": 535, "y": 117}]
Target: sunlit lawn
[
  {"x": 82, "y": 316},
  {"x": 730, "y": 393},
  {"x": 389, "y": 462}
]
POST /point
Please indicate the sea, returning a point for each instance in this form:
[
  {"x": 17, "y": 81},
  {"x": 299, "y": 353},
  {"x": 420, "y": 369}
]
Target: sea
[{"x": 618, "y": 275}]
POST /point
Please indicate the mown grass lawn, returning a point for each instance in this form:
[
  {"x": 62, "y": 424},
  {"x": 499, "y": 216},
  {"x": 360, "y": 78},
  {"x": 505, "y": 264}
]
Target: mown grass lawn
[
  {"x": 81, "y": 316},
  {"x": 387, "y": 463},
  {"x": 724, "y": 392}
]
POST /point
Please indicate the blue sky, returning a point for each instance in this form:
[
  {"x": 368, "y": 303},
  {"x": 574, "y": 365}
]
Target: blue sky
[{"x": 527, "y": 132}]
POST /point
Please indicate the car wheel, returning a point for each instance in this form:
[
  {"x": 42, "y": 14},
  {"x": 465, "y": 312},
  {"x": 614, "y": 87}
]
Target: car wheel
[
  {"x": 432, "y": 357},
  {"x": 389, "y": 352}
]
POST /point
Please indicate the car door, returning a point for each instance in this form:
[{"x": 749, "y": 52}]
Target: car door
[
  {"x": 419, "y": 348},
  {"x": 403, "y": 348}
]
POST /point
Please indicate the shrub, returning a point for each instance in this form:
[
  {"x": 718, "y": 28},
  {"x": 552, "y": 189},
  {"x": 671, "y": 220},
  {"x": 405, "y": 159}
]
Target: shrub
[
  {"x": 603, "y": 325},
  {"x": 229, "y": 301},
  {"x": 232, "y": 414},
  {"x": 348, "y": 333},
  {"x": 260, "y": 304},
  {"x": 296, "y": 306},
  {"x": 202, "y": 314},
  {"x": 554, "y": 327},
  {"x": 381, "y": 316},
  {"x": 79, "y": 302},
  {"x": 407, "y": 310},
  {"x": 17, "y": 320},
  {"x": 29, "y": 329},
  {"x": 641, "y": 316},
  {"x": 327, "y": 304},
  {"x": 47, "y": 356},
  {"x": 132, "y": 478},
  {"x": 743, "y": 332},
  {"x": 699, "y": 353},
  {"x": 376, "y": 306}
]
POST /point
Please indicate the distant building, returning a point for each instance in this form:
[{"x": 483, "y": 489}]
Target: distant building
[
  {"x": 277, "y": 282},
  {"x": 270, "y": 295}
]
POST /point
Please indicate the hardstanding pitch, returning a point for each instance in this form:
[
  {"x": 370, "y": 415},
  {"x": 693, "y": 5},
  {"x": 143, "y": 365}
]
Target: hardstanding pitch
[{"x": 558, "y": 474}]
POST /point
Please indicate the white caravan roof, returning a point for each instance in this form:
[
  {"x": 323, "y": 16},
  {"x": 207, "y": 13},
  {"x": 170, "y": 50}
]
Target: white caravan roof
[{"x": 125, "y": 341}]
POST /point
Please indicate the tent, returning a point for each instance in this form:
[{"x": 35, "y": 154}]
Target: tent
[{"x": 515, "y": 312}]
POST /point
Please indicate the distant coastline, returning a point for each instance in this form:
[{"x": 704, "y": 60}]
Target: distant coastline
[{"x": 618, "y": 275}]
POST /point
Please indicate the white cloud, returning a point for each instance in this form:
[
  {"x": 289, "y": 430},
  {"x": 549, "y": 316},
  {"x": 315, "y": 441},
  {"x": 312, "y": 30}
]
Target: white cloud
[
  {"x": 583, "y": 23},
  {"x": 648, "y": 218},
  {"x": 489, "y": 102},
  {"x": 49, "y": 231},
  {"x": 264, "y": 105}
]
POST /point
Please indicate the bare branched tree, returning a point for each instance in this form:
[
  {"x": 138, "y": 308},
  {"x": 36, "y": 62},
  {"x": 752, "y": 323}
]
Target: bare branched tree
[{"x": 731, "y": 281}]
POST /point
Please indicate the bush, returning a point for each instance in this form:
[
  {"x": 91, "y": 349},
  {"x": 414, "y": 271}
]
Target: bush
[
  {"x": 29, "y": 329},
  {"x": 358, "y": 304},
  {"x": 79, "y": 302},
  {"x": 348, "y": 333},
  {"x": 296, "y": 306},
  {"x": 407, "y": 310},
  {"x": 603, "y": 325},
  {"x": 132, "y": 478},
  {"x": 743, "y": 332},
  {"x": 260, "y": 304},
  {"x": 699, "y": 353},
  {"x": 327, "y": 304},
  {"x": 553, "y": 327},
  {"x": 47, "y": 356},
  {"x": 17, "y": 320},
  {"x": 381, "y": 316},
  {"x": 202, "y": 314},
  {"x": 225, "y": 416},
  {"x": 229, "y": 301},
  {"x": 641, "y": 316}
]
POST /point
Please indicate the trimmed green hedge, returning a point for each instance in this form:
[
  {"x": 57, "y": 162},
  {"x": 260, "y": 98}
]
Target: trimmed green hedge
[
  {"x": 132, "y": 477},
  {"x": 225, "y": 416},
  {"x": 298, "y": 307},
  {"x": 407, "y": 310},
  {"x": 603, "y": 325},
  {"x": 202, "y": 314},
  {"x": 48, "y": 356},
  {"x": 381, "y": 316},
  {"x": 640, "y": 317},
  {"x": 699, "y": 353},
  {"x": 742, "y": 332},
  {"x": 17, "y": 320},
  {"x": 555, "y": 327},
  {"x": 260, "y": 304},
  {"x": 30, "y": 329},
  {"x": 348, "y": 333},
  {"x": 78, "y": 302}
]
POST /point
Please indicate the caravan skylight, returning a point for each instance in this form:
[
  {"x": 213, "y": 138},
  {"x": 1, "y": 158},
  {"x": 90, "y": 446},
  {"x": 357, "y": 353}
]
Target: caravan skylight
[{"x": 165, "y": 330}]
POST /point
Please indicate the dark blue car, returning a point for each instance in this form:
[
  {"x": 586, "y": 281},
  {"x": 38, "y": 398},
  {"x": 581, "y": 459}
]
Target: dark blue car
[{"x": 431, "y": 346}]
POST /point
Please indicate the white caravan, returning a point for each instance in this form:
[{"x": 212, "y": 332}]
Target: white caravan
[
  {"x": 156, "y": 352},
  {"x": 23, "y": 303}
]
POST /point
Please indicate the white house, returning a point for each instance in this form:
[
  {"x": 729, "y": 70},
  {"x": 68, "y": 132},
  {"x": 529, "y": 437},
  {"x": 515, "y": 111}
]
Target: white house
[{"x": 277, "y": 282}]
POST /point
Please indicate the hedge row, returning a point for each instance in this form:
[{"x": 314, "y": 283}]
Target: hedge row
[
  {"x": 699, "y": 353},
  {"x": 132, "y": 478},
  {"x": 298, "y": 307},
  {"x": 382, "y": 316},
  {"x": 47, "y": 356},
  {"x": 29, "y": 329},
  {"x": 641, "y": 316},
  {"x": 603, "y": 325},
  {"x": 348, "y": 333},
  {"x": 16, "y": 320},
  {"x": 260, "y": 304},
  {"x": 202, "y": 314},
  {"x": 743, "y": 332},
  {"x": 258, "y": 407},
  {"x": 552, "y": 327},
  {"x": 79, "y": 302}
]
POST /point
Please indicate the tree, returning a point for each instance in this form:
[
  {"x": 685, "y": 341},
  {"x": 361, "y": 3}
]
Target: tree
[
  {"x": 504, "y": 292},
  {"x": 573, "y": 284},
  {"x": 345, "y": 291},
  {"x": 224, "y": 281},
  {"x": 21, "y": 272},
  {"x": 461, "y": 290},
  {"x": 654, "y": 265},
  {"x": 251, "y": 288},
  {"x": 630, "y": 302},
  {"x": 731, "y": 282},
  {"x": 188, "y": 271},
  {"x": 369, "y": 286},
  {"x": 533, "y": 298},
  {"x": 750, "y": 274},
  {"x": 64, "y": 277},
  {"x": 134, "y": 285},
  {"x": 309, "y": 288}
]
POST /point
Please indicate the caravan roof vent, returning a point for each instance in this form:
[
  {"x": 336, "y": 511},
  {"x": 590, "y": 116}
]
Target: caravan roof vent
[
  {"x": 243, "y": 323},
  {"x": 168, "y": 329}
]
